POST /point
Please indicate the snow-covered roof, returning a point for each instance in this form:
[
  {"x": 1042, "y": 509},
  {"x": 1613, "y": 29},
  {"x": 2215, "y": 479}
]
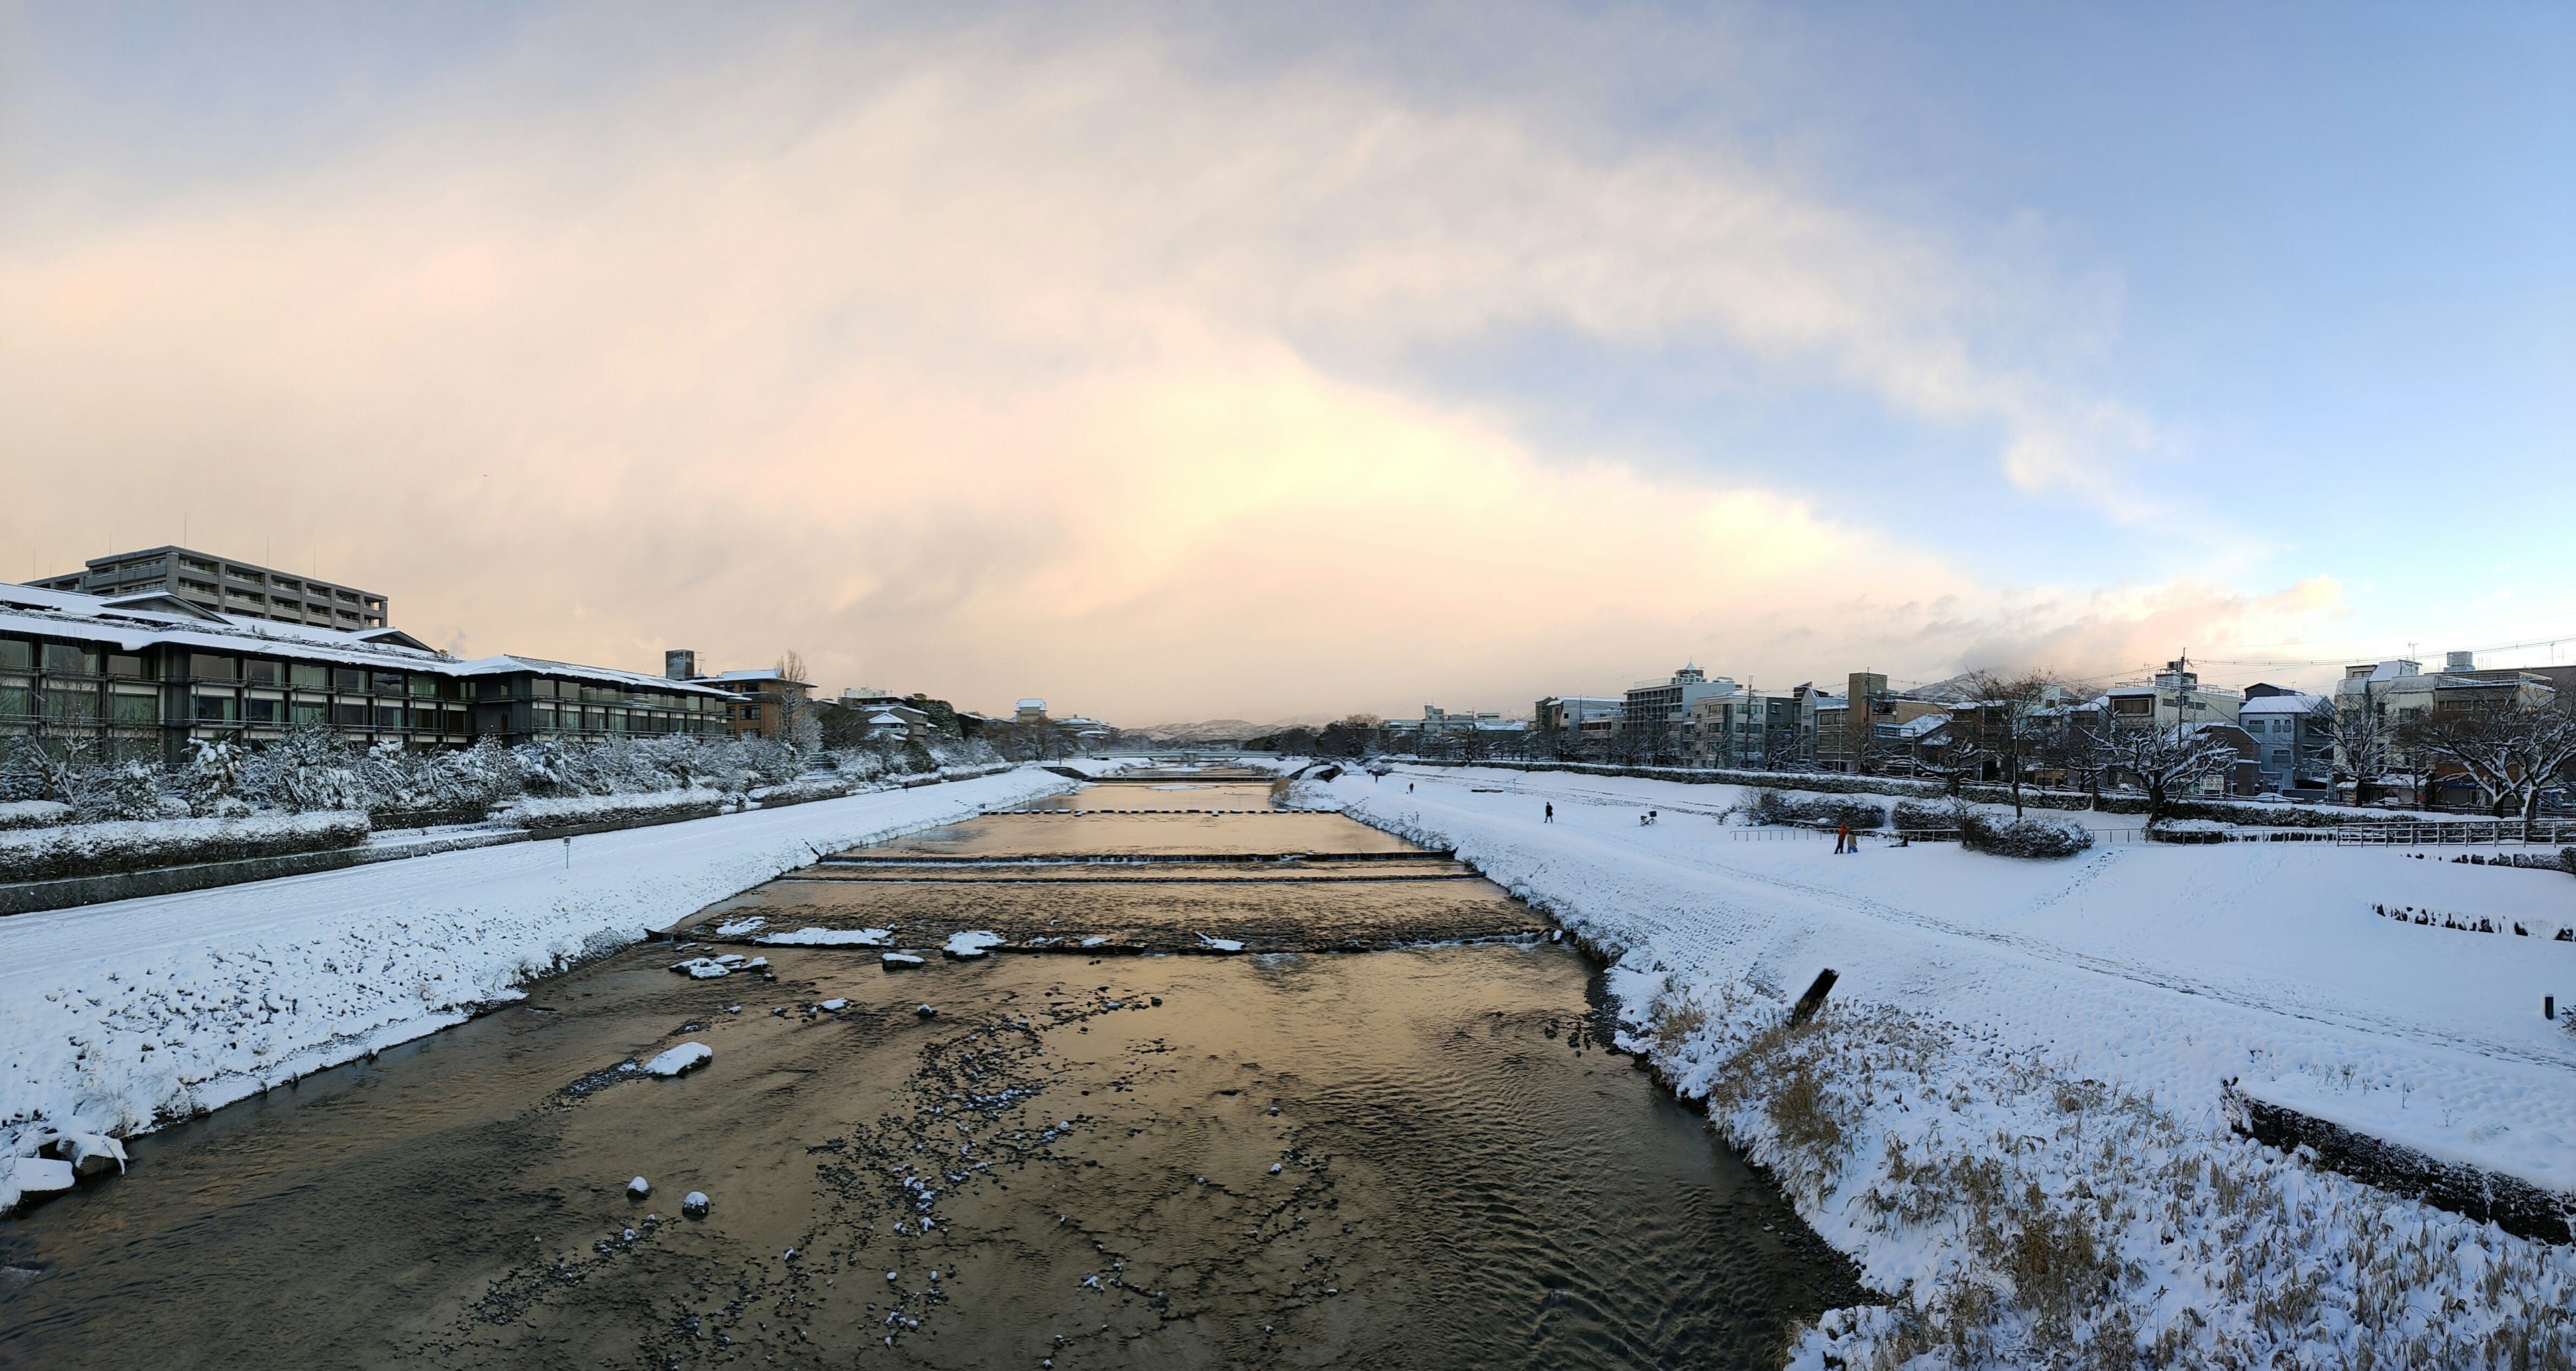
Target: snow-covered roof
[
  {"x": 2291, "y": 703},
  {"x": 745, "y": 677},
  {"x": 883, "y": 719},
  {"x": 114, "y": 621}
]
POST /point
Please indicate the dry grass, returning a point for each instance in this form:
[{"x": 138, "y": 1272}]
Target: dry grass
[{"x": 2079, "y": 1225}]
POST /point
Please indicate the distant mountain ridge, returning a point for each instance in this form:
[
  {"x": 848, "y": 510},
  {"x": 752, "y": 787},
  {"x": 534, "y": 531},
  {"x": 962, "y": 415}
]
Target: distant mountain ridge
[{"x": 1209, "y": 732}]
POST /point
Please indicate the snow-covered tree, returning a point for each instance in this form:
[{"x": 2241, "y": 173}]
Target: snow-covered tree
[
  {"x": 311, "y": 768},
  {"x": 2512, "y": 754},
  {"x": 2362, "y": 734},
  {"x": 214, "y": 773},
  {"x": 2169, "y": 760}
]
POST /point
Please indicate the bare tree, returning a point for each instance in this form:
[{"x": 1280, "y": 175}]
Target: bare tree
[
  {"x": 2362, "y": 733},
  {"x": 2010, "y": 720},
  {"x": 2512, "y": 754},
  {"x": 2171, "y": 759}
]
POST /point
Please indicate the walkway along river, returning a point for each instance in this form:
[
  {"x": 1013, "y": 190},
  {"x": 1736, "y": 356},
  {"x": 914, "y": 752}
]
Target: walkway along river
[{"x": 1387, "y": 1133}]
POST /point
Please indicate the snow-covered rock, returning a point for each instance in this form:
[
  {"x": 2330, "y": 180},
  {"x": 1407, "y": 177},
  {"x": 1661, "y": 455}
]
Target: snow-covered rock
[
  {"x": 835, "y": 1006},
  {"x": 702, "y": 968},
  {"x": 899, "y": 961},
  {"x": 1219, "y": 944},
  {"x": 694, "y": 1204},
  {"x": 972, "y": 944},
  {"x": 638, "y": 1188},
  {"x": 826, "y": 937},
  {"x": 740, "y": 926},
  {"x": 681, "y": 1060},
  {"x": 24, "y": 1180},
  {"x": 90, "y": 1154}
]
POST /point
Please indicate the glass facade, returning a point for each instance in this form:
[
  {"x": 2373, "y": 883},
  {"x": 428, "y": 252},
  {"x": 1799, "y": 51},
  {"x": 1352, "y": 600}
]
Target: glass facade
[{"x": 112, "y": 701}]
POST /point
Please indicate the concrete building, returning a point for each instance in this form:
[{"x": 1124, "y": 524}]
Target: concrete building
[
  {"x": 226, "y": 585},
  {"x": 2293, "y": 737},
  {"x": 2172, "y": 696},
  {"x": 1749, "y": 730},
  {"x": 1577, "y": 723},
  {"x": 1657, "y": 719},
  {"x": 139, "y": 676}
]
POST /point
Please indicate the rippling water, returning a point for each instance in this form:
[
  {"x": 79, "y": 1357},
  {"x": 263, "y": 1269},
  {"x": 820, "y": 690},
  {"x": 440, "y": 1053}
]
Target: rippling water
[{"x": 1465, "y": 1178}]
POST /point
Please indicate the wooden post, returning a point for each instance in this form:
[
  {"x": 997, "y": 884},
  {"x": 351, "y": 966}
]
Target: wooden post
[{"x": 1814, "y": 999}]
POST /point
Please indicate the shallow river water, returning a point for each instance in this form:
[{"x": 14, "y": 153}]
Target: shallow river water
[{"x": 1420, "y": 1156}]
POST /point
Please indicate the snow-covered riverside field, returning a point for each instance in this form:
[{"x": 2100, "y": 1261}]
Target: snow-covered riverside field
[
  {"x": 2010, "y": 1113},
  {"x": 116, "y": 1016}
]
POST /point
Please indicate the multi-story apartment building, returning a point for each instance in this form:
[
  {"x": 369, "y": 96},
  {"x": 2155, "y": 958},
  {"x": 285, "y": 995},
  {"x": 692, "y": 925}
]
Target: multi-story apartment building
[
  {"x": 1761, "y": 732},
  {"x": 140, "y": 675},
  {"x": 226, "y": 586},
  {"x": 2172, "y": 696},
  {"x": 1657, "y": 719},
  {"x": 2294, "y": 739}
]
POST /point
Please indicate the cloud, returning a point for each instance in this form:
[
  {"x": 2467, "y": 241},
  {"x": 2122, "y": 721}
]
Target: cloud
[{"x": 961, "y": 365}]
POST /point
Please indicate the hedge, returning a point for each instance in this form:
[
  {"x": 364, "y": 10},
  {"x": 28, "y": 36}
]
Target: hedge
[
  {"x": 575, "y": 810},
  {"x": 2024, "y": 837},
  {"x": 34, "y": 814},
  {"x": 108, "y": 849}
]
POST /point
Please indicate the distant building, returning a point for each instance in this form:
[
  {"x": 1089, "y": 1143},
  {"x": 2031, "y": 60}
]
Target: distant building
[
  {"x": 2293, "y": 737},
  {"x": 2173, "y": 696},
  {"x": 1577, "y": 722},
  {"x": 1029, "y": 712},
  {"x": 764, "y": 702},
  {"x": 228, "y": 586},
  {"x": 1749, "y": 730},
  {"x": 1656, "y": 718}
]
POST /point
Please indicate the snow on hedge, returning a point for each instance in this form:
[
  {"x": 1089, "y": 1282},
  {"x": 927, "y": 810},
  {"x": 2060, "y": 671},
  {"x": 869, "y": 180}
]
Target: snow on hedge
[
  {"x": 116, "y": 1017},
  {"x": 573, "y": 810},
  {"x": 34, "y": 814},
  {"x": 2035, "y": 836},
  {"x": 46, "y": 854},
  {"x": 2010, "y": 1112}
]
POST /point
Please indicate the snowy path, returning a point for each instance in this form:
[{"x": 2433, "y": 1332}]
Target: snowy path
[
  {"x": 114, "y": 1015},
  {"x": 2166, "y": 968}
]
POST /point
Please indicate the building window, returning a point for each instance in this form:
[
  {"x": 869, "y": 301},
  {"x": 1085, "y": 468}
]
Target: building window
[
  {"x": 131, "y": 667},
  {"x": 134, "y": 709},
  {"x": 348, "y": 680},
  {"x": 16, "y": 654},
  {"x": 70, "y": 659},
  {"x": 455, "y": 720},
  {"x": 214, "y": 709},
  {"x": 259, "y": 673},
  {"x": 17, "y": 697},
  {"x": 389, "y": 682},
  {"x": 312, "y": 712},
  {"x": 309, "y": 676},
  {"x": 389, "y": 716},
  {"x": 348, "y": 714}
]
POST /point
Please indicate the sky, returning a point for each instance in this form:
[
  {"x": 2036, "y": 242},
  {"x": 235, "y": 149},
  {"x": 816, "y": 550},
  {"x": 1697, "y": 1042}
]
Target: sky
[{"x": 1174, "y": 362}]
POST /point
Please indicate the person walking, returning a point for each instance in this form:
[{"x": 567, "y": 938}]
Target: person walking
[
  {"x": 1842, "y": 840},
  {"x": 1551, "y": 811}
]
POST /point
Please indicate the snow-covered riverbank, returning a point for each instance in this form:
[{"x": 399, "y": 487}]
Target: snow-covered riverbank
[
  {"x": 115, "y": 1016},
  {"x": 2011, "y": 1113}
]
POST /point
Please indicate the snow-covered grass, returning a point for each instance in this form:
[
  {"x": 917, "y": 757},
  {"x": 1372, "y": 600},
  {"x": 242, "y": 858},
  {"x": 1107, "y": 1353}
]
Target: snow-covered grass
[
  {"x": 2010, "y": 1110},
  {"x": 116, "y": 1017},
  {"x": 45, "y": 854}
]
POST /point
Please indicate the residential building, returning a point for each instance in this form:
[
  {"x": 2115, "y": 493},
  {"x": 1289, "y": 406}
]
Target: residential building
[
  {"x": 1749, "y": 730},
  {"x": 140, "y": 676},
  {"x": 765, "y": 701},
  {"x": 1577, "y": 723},
  {"x": 228, "y": 586},
  {"x": 1656, "y": 717},
  {"x": 2293, "y": 736},
  {"x": 2172, "y": 696},
  {"x": 2406, "y": 693}
]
